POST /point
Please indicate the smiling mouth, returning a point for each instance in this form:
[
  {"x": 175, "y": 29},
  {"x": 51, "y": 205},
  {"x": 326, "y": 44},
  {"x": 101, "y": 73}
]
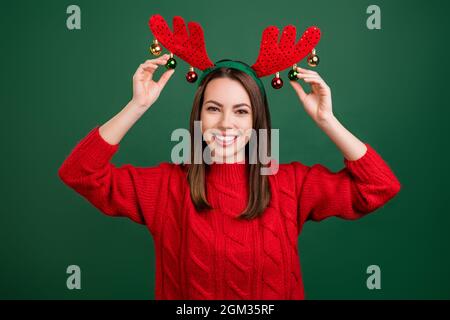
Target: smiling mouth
[{"x": 225, "y": 141}]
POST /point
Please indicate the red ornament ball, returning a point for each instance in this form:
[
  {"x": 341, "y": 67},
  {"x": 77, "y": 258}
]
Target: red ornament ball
[
  {"x": 277, "y": 83},
  {"x": 191, "y": 76}
]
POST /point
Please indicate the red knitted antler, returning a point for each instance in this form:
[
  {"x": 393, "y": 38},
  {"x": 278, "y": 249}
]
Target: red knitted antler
[
  {"x": 274, "y": 57},
  {"x": 190, "y": 48}
]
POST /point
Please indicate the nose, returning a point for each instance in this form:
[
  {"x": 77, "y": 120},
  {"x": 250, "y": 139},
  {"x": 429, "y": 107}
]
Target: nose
[{"x": 226, "y": 121}]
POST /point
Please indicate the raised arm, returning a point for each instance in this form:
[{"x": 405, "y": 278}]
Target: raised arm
[
  {"x": 145, "y": 92},
  {"x": 365, "y": 184},
  {"x": 88, "y": 168}
]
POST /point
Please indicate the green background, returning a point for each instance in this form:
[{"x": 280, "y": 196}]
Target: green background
[{"x": 389, "y": 88}]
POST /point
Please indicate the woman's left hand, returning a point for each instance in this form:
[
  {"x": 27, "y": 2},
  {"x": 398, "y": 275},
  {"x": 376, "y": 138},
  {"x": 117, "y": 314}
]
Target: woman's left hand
[{"x": 317, "y": 103}]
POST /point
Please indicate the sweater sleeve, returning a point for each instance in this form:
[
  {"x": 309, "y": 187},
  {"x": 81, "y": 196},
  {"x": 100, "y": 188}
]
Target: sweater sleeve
[
  {"x": 361, "y": 187},
  {"x": 113, "y": 190}
]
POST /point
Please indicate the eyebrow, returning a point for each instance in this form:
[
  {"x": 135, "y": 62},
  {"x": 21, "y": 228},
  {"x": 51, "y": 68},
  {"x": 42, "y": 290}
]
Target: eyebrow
[{"x": 235, "y": 106}]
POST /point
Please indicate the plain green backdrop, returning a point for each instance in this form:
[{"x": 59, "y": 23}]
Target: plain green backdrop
[{"x": 389, "y": 88}]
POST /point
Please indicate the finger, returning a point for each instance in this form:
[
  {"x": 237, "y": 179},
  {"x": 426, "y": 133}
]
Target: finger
[
  {"x": 140, "y": 73},
  {"x": 299, "y": 90},
  {"x": 315, "y": 80},
  {"x": 165, "y": 77},
  {"x": 145, "y": 71},
  {"x": 302, "y": 70},
  {"x": 152, "y": 64},
  {"x": 150, "y": 67},
  {"x": 161, "y": 60},
  {"x": 163, "y": 57},
  {"x": 310, "y": 78},
  {"x": 308, "y": 75},
  {"x": 319, "y": 82}
]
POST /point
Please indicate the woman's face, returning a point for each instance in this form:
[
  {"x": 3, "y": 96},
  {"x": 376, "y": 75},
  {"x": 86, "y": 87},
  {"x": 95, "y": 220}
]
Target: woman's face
[{"x": 227, "y": 119}]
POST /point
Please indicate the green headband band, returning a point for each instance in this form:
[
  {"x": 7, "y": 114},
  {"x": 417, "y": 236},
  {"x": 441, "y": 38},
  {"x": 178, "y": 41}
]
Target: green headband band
[{"x": 235, "y": 65}]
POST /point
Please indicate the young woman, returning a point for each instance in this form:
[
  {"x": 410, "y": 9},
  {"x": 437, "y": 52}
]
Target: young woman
[{"x": 223, "y": 230}]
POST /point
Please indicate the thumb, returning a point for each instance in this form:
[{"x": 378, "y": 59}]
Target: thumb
[
  {"x": 165, "y": 77},
  {"x": 299, "y": 90}
]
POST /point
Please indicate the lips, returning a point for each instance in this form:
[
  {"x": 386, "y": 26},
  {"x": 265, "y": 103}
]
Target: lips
[{"x": 225, "y": 141}]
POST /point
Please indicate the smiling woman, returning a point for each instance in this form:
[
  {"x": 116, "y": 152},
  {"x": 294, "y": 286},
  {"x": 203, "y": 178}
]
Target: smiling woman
[
  {"x": 225, "y": 123},
  {"x": 223, "y": 230},
  {"x": 229, "y": 105}
]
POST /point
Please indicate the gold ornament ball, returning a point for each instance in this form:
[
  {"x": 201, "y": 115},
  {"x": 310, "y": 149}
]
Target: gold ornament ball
[
  {"x": 313, "y": 60},
  {"x": 155, "y": 49}
]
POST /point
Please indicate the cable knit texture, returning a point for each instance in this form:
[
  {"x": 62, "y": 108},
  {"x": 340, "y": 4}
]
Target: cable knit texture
[{"x": 213, "y": 255}]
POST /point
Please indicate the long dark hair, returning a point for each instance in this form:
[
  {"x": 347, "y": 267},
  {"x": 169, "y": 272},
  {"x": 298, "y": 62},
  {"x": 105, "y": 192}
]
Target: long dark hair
[{"x": 259, "y": 192}]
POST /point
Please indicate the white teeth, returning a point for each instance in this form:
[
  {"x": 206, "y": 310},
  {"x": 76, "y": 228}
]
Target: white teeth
[{"x": 225, "y": 138}]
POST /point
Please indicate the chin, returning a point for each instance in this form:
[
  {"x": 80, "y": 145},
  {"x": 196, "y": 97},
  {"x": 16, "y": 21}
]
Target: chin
[{"x": 221, "y": 153}]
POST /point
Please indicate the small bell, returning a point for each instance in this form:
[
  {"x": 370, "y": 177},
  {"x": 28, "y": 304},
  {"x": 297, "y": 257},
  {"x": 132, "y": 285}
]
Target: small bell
[
  {"x": 171, "y": 63},
  {"x": 277, "y": 83},
  {"x": 313, "y": 59},
  {"x": 155, "y": 48},
  {"x": 292, "y": 75},
  {"x": 191, "y": 76}
]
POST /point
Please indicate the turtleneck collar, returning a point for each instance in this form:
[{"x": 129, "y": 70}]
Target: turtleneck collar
[{"x": 227, "y": 172}]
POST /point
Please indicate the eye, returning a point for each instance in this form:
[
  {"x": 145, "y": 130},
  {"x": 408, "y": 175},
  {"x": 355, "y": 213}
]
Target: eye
[
  {"x": 242, "y": 111},
  {"x": 212, "y": 108}
]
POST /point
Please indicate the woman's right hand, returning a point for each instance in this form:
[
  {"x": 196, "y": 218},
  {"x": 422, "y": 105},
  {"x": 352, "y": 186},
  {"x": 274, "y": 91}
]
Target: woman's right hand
[{"x": 145, "y": 90}]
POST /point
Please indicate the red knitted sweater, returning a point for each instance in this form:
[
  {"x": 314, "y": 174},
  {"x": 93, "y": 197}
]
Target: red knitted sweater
[{"x": 213, "y": 255}]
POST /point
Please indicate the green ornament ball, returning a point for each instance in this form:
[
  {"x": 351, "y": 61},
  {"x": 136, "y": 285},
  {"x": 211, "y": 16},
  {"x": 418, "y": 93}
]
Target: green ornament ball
[
  {"x": 171, "y": 63},
  {"x": 292, "y": 75}
]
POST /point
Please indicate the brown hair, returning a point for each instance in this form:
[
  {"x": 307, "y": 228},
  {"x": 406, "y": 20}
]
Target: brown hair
[{"x": 259, "y": 193}]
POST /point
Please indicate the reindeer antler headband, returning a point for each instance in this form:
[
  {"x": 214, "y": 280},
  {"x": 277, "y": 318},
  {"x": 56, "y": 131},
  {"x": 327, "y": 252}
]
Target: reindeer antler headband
[{"x": 273, "y": 56}]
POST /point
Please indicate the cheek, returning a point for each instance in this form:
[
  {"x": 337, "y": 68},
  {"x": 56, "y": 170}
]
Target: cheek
[
  {"x": 206, "y": 120},
  {"x": 245, "y": 128},
  {"x": 207, "y": 124},
  {"x": 245, "y": 123}
]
